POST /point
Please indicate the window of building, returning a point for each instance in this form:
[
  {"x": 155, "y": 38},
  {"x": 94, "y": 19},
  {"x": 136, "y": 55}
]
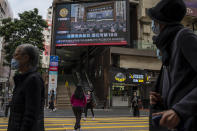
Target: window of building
[
  {"x": 115, "y": 60},
  {"x": 133, "y": 24},
  {"x": 1, "y": 9}
]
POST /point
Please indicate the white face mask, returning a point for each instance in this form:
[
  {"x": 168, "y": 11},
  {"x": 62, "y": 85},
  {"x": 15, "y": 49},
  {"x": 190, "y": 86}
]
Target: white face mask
[{"x": 155, "y": 27}]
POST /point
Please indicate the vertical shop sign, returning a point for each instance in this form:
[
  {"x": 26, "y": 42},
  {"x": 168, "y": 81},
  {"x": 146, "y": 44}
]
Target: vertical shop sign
[{"x": 53, "y": 72}]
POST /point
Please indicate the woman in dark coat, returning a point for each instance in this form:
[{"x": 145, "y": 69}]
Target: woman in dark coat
[
  {"x": 135, "y": 105},
  {"x": 27, "y": 105},
  {"x": 174, "y": 99}
]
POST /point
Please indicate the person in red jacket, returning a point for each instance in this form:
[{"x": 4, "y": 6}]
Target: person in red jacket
[{"x": 78, "y": 101}]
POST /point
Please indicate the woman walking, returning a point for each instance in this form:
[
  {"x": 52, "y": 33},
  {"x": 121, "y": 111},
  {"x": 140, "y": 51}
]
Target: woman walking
[
  {"x": 78, "y": 101},
  {"x": 89, "y": 105}
]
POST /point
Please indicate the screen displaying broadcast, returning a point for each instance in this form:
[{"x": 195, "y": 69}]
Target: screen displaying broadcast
[{"x": 91, "y": 23}]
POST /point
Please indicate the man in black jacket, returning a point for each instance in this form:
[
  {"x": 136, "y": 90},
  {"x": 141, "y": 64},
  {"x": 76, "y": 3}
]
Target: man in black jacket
[
  {"x": 27, "y": 106},
  {"x": 135, "y": 105},
  {"x": 176, "y": 89}
]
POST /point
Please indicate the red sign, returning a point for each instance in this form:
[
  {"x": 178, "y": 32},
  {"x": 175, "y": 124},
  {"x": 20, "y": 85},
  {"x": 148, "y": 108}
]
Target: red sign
[
  {"x": 53, "y": 68},
  {"x": 87, "y": 44}
]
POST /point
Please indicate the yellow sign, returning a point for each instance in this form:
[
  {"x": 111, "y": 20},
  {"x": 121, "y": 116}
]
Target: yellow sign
[
  {"x": 63, "y": 12},
  {"x": 141, "y": 81},
  {"x": 120, "y": 79},
  {"x": 66, "y": 84},
  {"x": 131, "y": 76}
]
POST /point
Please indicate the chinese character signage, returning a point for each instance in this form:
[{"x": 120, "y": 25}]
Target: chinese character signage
[{"x": 93, "y": 23}]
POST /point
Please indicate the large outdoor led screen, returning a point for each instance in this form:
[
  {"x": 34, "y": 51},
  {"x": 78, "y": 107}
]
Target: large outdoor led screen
[{"x": 91, "y": 23}]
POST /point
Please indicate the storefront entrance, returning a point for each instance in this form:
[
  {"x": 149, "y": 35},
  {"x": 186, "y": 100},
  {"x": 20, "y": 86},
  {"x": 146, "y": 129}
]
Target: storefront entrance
[{"x": 122, "y": 94}]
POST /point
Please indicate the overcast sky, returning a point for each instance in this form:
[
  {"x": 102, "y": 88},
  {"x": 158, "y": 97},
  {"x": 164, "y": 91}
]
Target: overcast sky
[{"x": 19, "y": 6}]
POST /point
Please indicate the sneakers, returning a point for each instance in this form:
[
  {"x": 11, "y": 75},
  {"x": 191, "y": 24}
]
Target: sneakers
[
  {"x": 93, "y": 118},
  {"x": 84, "y": 118}
]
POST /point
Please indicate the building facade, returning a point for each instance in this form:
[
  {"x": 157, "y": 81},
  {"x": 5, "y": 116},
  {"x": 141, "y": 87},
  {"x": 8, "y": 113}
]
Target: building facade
[
  {"x": 116, "y": 72},
  {"x": 5, "y": 12},
  {"x": 47, "y": 38}
]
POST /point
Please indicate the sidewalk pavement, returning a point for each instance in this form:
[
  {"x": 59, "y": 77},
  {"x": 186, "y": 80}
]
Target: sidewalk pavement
[{"x": 113, "y": 112}]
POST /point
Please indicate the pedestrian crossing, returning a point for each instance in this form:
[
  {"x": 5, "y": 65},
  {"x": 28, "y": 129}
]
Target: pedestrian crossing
[{"x": 99, "y": 124}]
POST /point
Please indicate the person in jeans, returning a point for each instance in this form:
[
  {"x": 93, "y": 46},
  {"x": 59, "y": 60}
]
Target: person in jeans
[
  {"x": 78, "y": 101},
  {"x": 52, "y": 101},
  {"x": 89, "y": 105}
]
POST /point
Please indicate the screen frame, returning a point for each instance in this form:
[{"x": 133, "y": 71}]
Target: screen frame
[{"x": 91, "y": 44}]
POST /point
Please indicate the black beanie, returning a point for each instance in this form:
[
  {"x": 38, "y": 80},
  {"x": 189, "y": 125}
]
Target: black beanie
[{"x": 168, "y": 11}]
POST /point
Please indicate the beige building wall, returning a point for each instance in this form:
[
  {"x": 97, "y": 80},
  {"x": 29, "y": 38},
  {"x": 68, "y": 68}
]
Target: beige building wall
[
  {"x": 144, "y": 22},
  {"x": 140, "y": 62}
]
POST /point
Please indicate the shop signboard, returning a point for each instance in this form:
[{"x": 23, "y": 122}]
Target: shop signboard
[
  {"x": 53, "y": 72},
  {"x": 91, "y": 23},
  {"x": 191, "y": 7},
  {"x": 136, "y": 78},
  {"x": 127, "y": 76}
]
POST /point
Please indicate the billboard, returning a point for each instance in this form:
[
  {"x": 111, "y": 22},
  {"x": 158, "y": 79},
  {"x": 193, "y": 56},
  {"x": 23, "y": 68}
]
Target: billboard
[
  {"x": 191, "y": 7},
  {"x": 91, "y": 23}
]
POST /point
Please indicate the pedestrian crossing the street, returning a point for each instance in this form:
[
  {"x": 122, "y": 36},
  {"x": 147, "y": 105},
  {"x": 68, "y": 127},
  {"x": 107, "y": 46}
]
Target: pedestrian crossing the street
[{"x": 99, "y": 124}]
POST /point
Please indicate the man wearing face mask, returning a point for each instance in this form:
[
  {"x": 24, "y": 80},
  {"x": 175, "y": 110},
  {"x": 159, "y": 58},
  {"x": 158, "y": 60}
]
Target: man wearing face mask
[
  {"x": 27, "y": 105},
  {"x": 175, "y": 93}
]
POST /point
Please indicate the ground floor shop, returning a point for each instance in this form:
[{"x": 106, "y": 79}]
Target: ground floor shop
[{"x": 124, "y": 82}]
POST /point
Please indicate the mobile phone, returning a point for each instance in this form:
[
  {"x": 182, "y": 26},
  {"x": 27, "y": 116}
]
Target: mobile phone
[{"x": 156, "y": 120}]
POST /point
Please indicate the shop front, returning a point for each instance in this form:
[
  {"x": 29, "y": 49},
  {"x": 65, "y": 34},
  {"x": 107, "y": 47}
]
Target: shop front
[{"x": 124, "y": 82}]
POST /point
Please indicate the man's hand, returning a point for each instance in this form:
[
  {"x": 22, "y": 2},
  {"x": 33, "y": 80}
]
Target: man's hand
[
  {"x": 155, "y": 98},
  {"x": 169, "y": 118}
]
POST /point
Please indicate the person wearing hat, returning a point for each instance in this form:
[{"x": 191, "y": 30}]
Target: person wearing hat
[{"x": 175, "y": 93}]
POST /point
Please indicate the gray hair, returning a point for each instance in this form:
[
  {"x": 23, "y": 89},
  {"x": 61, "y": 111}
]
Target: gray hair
[{"x": 32, "y": 52}]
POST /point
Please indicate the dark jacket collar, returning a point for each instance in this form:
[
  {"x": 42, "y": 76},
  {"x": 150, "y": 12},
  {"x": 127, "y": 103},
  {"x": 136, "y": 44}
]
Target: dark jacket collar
[{"x": 22, "y": 76}]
